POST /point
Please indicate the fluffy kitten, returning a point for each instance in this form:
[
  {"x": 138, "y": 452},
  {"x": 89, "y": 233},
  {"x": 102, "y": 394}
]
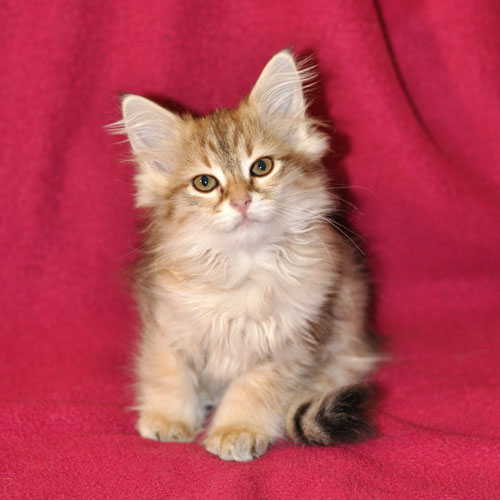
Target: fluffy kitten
[{"x": 249, "y": 299}]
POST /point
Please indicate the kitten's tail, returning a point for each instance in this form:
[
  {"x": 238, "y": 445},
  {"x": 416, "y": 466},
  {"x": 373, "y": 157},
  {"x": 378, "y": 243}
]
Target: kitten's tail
[{"x": 333, "y": 417}]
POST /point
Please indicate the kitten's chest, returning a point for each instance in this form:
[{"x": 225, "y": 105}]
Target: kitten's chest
[
  {"x": 246, "y": 291},
  {"x": 261, "y": 304},
  {"x": 257, "y": 294}
]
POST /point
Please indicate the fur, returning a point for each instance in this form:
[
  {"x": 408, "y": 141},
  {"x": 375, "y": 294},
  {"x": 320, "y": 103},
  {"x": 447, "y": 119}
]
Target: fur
[{"x": 262, "y": 312}]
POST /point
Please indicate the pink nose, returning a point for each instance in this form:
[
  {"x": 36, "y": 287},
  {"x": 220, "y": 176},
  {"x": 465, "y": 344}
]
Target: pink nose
[{"x": 241, "y": 204}]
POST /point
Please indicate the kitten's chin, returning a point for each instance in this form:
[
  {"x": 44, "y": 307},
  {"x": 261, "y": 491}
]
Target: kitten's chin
[{"x": 245, "y": 231}]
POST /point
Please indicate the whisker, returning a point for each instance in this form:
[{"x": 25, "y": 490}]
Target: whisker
[
  {"x": 354, "y": 233},
  {"x": 347, "y": 236},
  {"x": 328, "y": 221},
  {"x": 354, "y": 187}
]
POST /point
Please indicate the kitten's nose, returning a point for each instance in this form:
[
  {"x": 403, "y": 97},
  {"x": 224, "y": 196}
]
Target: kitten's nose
[{"x": 241, "y": 203}]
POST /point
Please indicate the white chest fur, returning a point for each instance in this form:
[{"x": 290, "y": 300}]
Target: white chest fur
[{"x": 248, "y": 307}]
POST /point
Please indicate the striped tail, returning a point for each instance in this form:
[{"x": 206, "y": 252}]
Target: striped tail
[{"x": 332, "y": 418}]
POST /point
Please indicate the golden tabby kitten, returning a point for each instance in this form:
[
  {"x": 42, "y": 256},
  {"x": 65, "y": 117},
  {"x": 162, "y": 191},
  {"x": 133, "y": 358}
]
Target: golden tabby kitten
[{"x": 249, "y": 299}]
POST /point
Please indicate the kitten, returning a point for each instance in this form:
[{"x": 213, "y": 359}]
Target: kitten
[{"x": 249, "y": 299}]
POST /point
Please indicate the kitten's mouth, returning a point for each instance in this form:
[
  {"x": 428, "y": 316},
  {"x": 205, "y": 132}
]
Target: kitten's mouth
[{"x": 245, "y": 221}]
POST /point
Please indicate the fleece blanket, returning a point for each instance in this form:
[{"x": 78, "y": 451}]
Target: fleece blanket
[{"x": 411, "y": 90}]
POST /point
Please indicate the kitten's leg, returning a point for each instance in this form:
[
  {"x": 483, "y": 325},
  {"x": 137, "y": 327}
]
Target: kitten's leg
[
  {"x": 167, "y": 401},
  {"x": 252, "y": 413}
]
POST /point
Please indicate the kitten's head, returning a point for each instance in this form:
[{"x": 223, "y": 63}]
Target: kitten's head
[{"x": 236, "y": 177}]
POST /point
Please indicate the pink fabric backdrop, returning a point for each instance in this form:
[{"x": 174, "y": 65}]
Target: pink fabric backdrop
[{"x": 413, "y": 90}]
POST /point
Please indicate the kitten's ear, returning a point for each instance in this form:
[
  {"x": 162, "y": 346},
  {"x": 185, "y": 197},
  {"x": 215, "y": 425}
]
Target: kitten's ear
[
  {"x": 152, "y": 131},
  {"x": 149, "y": 127},
  {"x": 278, "y": 91},
  {"x": 278, "y": 97},
  {"x": 154, "y": 134}
]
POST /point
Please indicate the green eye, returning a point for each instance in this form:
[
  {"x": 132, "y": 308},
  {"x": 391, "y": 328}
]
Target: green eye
[
  {"x": 205, "y": 183},
  {"x": 261, "y": 167}
]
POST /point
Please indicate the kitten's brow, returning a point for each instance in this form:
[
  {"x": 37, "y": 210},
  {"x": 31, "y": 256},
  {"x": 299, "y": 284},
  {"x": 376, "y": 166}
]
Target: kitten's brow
[
  {"x": 225, "y": 133},
  {"x": 249, "y": 146},
  {"x": 206, "y": 160}
]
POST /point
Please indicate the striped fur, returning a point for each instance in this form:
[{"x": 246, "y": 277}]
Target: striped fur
[{"x": 331, "y": 418}]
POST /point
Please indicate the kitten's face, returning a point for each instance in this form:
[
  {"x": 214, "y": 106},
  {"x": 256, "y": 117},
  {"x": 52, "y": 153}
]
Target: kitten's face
[
  {"x": 237, "y": 180},
  {"x": 235, "y": 177}
]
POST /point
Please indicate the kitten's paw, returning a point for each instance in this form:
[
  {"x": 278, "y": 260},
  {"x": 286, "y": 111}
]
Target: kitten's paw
[
  {"x": 238, "y": 443},
  {"x": 156, "y": 426}
]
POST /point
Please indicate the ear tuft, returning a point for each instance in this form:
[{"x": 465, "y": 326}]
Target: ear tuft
[
  {"x": 278, "y": 97},
  {"x": 154, "y": 134},
  {"x": 279, "y": 89},
  {"x": 152, "y": 130}
]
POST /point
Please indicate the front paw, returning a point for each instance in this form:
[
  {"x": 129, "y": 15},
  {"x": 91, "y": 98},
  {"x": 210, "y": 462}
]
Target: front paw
[
  {"x": 236, "y": 442},
  {"x": 153, "y": 425}
]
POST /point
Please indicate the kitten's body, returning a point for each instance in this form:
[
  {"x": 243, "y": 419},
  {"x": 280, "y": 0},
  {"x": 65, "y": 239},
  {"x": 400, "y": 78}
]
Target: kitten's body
[{"x": 249, "y": 300}]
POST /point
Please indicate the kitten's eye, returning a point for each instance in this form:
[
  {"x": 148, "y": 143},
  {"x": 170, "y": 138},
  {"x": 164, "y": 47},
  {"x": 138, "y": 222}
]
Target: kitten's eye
[
  {"x": 261, "y": 167},
  {"x": 205, "y": 183}
]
